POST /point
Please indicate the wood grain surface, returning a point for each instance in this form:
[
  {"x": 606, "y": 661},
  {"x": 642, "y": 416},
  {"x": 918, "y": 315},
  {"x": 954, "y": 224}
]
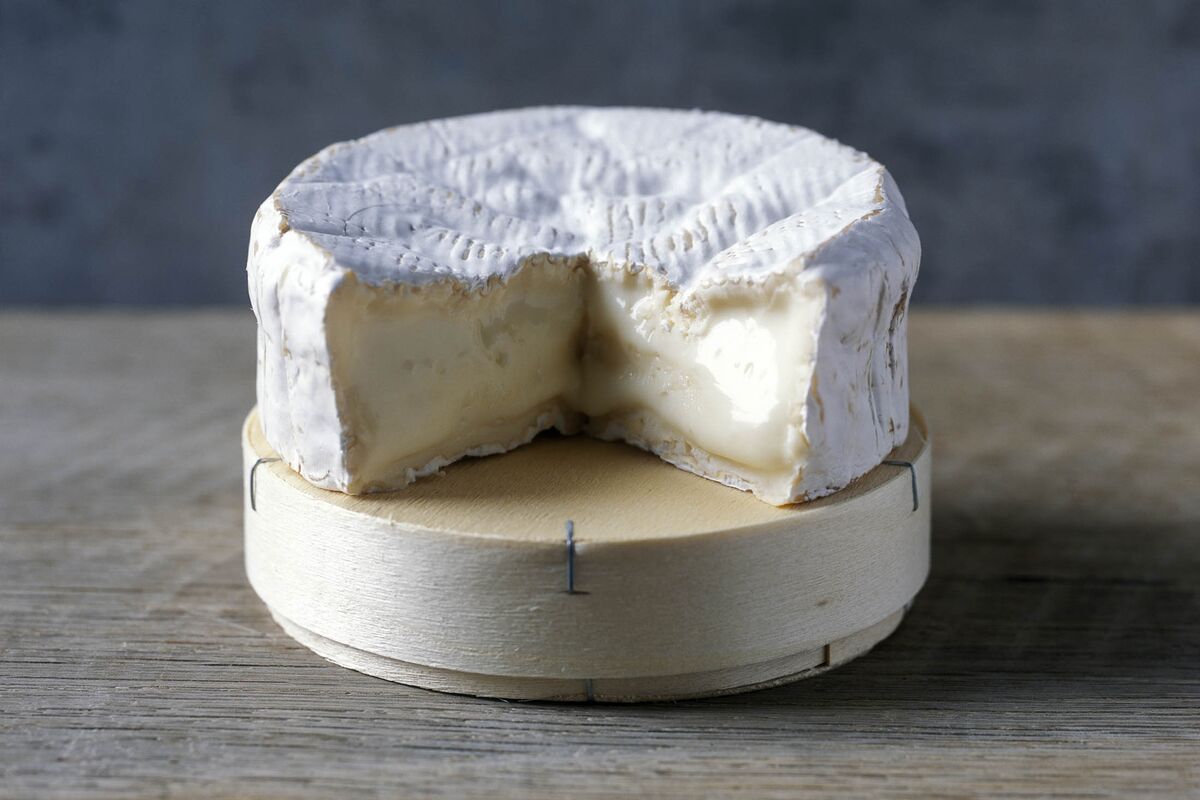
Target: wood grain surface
[{"x": 1054, "y": 650}]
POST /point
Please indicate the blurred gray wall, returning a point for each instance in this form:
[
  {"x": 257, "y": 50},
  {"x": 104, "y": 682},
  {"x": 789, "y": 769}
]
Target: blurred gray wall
[{"x": 1049, "y": 152}]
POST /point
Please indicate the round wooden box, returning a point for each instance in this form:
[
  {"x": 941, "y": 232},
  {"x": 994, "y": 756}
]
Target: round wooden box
[{"x": 670, "y": 586}]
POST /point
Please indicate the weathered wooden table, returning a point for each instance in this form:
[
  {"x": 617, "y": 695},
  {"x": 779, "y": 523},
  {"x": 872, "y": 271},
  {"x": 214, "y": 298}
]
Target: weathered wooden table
[{"x": 1055, "y": 649}]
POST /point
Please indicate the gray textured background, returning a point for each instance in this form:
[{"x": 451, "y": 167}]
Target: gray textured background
[{"x": 1049, "y": 152}]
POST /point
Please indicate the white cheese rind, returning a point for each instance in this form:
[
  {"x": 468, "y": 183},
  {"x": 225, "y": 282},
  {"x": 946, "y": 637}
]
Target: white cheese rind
[{"x": 706, "y": 210}]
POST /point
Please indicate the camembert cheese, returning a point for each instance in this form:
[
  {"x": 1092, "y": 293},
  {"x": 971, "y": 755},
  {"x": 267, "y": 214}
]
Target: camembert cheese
[{"x": 726, "y": 292}]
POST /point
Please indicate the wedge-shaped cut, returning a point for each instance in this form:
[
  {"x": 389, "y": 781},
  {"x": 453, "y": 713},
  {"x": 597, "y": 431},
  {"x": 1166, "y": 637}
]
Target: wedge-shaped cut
[{"x": 725, "y": 292}]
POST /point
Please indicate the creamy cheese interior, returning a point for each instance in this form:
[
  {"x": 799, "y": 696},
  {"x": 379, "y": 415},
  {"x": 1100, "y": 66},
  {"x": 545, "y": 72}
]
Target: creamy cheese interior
[{"x": 431, "y": 373}]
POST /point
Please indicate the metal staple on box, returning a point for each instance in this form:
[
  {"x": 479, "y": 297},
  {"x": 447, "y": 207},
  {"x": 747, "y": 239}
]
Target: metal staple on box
[
  {"x": 571, "y": 558},
  {"x": 253, "y": 482},
  {"x": 912, "y": 472},
  {"x": 589, "y": 690}
]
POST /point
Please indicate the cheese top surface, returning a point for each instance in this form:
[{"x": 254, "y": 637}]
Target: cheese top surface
[{"x": 690, "y": 195}]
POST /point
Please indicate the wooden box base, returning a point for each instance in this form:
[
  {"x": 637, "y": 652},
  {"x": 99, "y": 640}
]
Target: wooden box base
[{"x": 674, "y": 586}]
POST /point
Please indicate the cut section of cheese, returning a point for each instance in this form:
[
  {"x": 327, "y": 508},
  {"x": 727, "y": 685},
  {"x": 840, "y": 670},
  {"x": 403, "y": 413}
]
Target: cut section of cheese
[{"x": 726, "y": 292}]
